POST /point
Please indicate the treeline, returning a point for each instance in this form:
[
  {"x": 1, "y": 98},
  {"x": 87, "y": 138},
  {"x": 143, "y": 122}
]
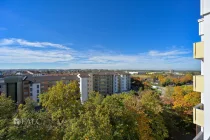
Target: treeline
[
  {"x": 143, "y": 115},
  {"x": 178, "y": 111},
  {"x": 62, "y": 116},
  {"x": 177, "y": 104},
  {"x": 166, "y": 80}
]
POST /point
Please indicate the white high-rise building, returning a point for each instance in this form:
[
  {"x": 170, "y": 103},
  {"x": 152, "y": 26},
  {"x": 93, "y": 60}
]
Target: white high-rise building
[{"x": 201, "y": 112}]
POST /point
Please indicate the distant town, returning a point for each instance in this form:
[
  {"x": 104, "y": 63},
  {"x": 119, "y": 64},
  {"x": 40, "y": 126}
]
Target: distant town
[{"x": 20, "y": 84}]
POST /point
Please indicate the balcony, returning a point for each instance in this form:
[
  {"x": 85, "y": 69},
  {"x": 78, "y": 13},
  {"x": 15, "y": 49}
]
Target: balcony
[
  {"x": 199, "y": 136},
  {"x": 198, "y": 83},
  {"x": 198, "y": 50},
  {"x": 198, "y": 115}
]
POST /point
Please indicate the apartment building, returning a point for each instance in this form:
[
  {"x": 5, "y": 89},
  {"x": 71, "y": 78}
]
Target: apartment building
[
  {"x": 122, "y": 82},
  {"x": 103, "y": 83},
  {"x": 41, "y": 84},
  {"x": 2, "y": 86},
  {"x": 17, "y": 87},
  {"x": 21, "y": 87},
  {"x": 106, "y": 83},
  {"x": 201, "y": 112}
]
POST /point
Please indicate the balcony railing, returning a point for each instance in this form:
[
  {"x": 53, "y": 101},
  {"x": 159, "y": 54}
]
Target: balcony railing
[
  {"x": 198, "y": 114},
  {"x": 198, "y": 83},
  {"x": 198, "y": 50},
  {"x": 199, "y": 136}
]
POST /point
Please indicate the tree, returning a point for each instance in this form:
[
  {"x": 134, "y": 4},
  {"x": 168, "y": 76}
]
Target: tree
[
  {"x": 62, "y": 102},
  {"x": 184, "y": 99},
  {"x": 92, "y": 122},
  {"x": 151, "y": 102},
  {"x": 31, "y": 124},
  {"x": 7, "y": 110},
  {"x": 122, "y": 120},
  {"x": 178, "y": 103},
  {"x": 134, "y": 105}
]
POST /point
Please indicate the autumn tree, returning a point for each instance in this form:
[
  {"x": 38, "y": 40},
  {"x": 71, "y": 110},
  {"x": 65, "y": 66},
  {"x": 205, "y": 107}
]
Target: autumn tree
[
  {"x": 92, "y": 122},
  {"x": 62, "y": 102},
  {"x": 31, "y": 124},
  {"x": 7, "y": 110},
  {"x": 120, "y": 117},
  {"x": 184, "y": 99},
  {"x": 104, "y": 118},
  {"x": 178, "y": 103},
  {"x": 150, "y": 100},
  {"x": 134, "y": 105}
]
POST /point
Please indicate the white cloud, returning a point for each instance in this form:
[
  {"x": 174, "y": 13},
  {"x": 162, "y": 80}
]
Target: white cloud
[
  {"x": 168, "y": 53},
  {"x": 6, "y": 42},
  {"x": 114, "y": 58},
  {"x": 22, "y": 55},
  {"x": 13, "y": 52},
  {"x": 173, "y": 59},
  {"x": 22, "y": 42}
]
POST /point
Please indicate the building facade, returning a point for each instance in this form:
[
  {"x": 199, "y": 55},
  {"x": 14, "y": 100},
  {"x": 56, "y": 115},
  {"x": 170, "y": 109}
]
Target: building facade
[
  {"x": 106, "y": 83},
  {"x": 41, "y": 84},
  {"x": 83, "y": 82},
  {"x": 17, "y": 87},
  {"x": 201, "y": 113},
  {"x": 2, "y": 86},
  {"x": 103, "y": 83}
]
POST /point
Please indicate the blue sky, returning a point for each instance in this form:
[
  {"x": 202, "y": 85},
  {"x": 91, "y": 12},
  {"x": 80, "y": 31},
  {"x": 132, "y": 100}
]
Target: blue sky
[{"x": 110, "y": 34}]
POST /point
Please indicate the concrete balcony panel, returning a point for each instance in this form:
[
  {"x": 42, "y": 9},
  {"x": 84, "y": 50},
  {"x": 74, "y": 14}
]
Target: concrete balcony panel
[
  {"x": 198, "y": 115},
  {"x": 198, "y": 50},
  {"x": 198, "y": 83}
]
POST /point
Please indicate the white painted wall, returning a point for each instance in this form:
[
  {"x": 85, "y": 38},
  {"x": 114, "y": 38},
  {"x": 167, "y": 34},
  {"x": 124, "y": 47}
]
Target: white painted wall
[
  {"x": 202, "y": 73},
  {"x": 34, "y": 91},
  {"x": 201, "y": 27},
  {"x": 201, "y": 33},
  {"x": 204, "y": 7},
  {"x": 133, "y": 72},
  {"x": 83, "y": 89},
  {"x": 207, "y": 72}
]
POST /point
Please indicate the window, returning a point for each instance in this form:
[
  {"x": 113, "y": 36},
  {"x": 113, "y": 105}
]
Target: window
[
  {"x": 30, "y": 89},
  {"x": 37, "y": 91},
  {"x": 37, "y": 86},
  {"x": 0, "y": 86},
  {"x": 31, "y": 94}
]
